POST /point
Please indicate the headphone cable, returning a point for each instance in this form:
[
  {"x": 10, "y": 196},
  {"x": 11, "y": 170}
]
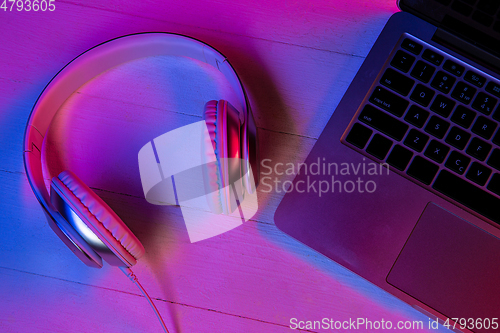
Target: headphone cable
[{"x": 128, "y": 272}]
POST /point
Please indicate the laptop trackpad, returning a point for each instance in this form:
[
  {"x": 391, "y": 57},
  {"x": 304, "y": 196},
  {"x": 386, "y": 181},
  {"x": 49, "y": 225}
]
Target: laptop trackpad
[{"x": 450, "y": 265}]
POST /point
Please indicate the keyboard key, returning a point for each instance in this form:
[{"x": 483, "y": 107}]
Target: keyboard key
[
  {"x": 494, "y": 159},
  {"x": 399, "y": 157},
  {"x": 457, "y": 138},
  {"x": 453, "y": 68},
  {"x": 411, "y": 46},
  {"x": 437, "y": 127},
  {"x": 444, "y": 2},
  {"x": 416, "y": 116},
  {"x": 484, "y": 127},
  {"x": 443, "y": 82},
  {"x": 494, "y": 88},
  {"x": 422, "y": 95},
  {"x": 422, "y": 71},
  {"x": 432, "y": 57},
  {"x": 379, "y": 146},
  {"x": 496, "y": 26},
  {"x": 475, "y": 79},
  {"x": 488, "y": 6},
  {"x": 470, "y": 2},
  {"x": 482, "y": 18},
  {"x": 437, "y": 151},
  {"x": 463, "y": 92},
  {"x": 402, "y": 61},
  {"x": 383, "y": 122},
  {"x": 468, "y": 195},
  {"x": 422, "y": 170},
  {"x": 496, "y": 138},
  {"x": 496, "y": 115},
  {"x": 484, "y": 103},
  {"x": 461, "y": 8},
  {"x": 397, "y": 81},
  {"x": 463, "y": 116},
  {"x": 478, "y": 173},
  {"x": 359, "y": 135},
  {"x": 478, "y": 149},
  {"x": 457, "y": 162},
  {"x": 416, "y": 140},
  {"x": 442, "y": 105},
  {"x": 386, "y": 100},
  {"x": 494, "y": 184}
]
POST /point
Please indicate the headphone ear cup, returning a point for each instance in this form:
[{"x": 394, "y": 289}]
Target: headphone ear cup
[
  {"x": 211, "y": 170},
  {"x": 250, "y": 153},
  {"x": 224, "y": 126},
  {"x": 98, "y": 217}
]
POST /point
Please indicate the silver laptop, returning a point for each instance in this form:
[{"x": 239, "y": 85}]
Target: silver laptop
[{"x": 403, "y": 185}]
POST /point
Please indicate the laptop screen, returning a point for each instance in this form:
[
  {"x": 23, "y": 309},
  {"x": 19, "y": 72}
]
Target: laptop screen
[{"x": 476, "y": 21}]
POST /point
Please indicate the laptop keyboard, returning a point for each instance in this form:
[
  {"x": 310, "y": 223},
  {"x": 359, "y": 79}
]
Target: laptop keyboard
[
  {"x": 434, "y": 119},
  {"x": 483, "y": 11}
]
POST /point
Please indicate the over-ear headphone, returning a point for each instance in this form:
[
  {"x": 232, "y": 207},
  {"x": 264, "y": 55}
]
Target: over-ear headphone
[{"x": 82, "y": 220}]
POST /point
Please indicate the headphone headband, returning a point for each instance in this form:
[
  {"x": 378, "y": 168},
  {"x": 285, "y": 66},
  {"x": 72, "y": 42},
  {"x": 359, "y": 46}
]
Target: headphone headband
[
  {"x": 82, "y": 69},
  {"x": 116, "y": 52}
]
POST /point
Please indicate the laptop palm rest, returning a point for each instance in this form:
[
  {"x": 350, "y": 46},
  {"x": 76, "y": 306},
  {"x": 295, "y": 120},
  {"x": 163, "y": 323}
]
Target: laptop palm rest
[{"x": 450, "y": 265}]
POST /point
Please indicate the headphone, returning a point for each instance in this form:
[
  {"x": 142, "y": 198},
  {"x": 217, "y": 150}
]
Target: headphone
[{"x": 81, "y": 219}]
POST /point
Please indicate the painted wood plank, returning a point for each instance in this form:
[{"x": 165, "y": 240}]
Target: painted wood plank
[
  {"x": 272, "y": 72},
  {"x": 35, "y": 303},
  {"x": 303, "y": 114},
  {"x": 296, "y": 60},
  {"x": 322, "y": 24},
  {"x": 80, "y": 140},
  {"x": 253, "y": 271}
]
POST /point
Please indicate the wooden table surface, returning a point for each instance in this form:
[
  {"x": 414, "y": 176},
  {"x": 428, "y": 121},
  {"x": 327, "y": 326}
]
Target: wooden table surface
[{"x": 296, "y": 58}]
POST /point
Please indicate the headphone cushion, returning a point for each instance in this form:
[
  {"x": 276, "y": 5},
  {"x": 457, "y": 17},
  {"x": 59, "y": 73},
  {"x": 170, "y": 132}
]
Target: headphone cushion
[
  {"x": 102, "y": 217},
  {"x": 211, "y": 171}
]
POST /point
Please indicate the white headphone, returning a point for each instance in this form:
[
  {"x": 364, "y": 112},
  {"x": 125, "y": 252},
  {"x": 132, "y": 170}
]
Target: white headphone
[{"x": 82, "y": 220}]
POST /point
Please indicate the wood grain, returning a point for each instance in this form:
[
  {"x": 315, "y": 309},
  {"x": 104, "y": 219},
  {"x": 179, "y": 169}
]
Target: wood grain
[
  {"x": 63, "y": 306},
  {"x": 295, "y": 58}
]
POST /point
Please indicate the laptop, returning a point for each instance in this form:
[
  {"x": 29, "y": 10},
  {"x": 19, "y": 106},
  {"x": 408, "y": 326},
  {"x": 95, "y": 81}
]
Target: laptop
[{"x": 403, "y": 185}]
